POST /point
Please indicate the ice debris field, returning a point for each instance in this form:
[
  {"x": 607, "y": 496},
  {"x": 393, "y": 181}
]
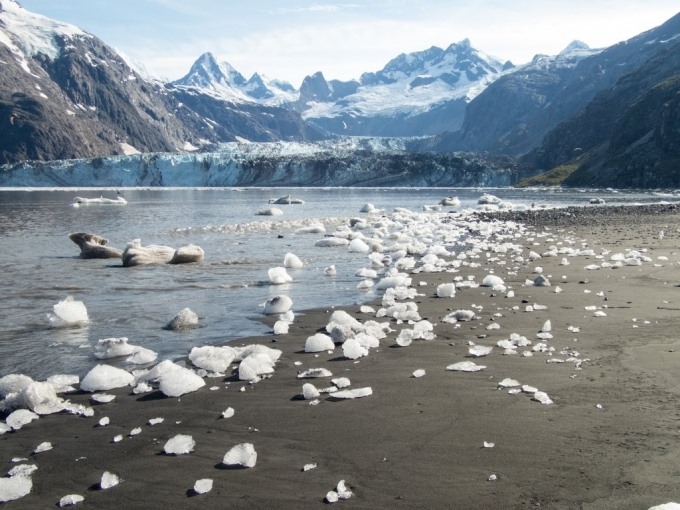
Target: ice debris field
[{"x": 402, "y": 248}]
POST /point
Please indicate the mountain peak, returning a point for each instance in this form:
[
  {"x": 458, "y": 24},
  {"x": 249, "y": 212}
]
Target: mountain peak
[{"x": 575, "y": 45}]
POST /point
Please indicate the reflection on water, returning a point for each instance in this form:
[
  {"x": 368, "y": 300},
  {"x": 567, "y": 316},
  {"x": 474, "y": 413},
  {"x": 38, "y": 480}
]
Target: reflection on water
[{"x": 40, "y": 265}]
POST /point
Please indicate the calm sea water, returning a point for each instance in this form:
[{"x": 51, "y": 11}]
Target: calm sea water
[{"x": 41, "y": 266}]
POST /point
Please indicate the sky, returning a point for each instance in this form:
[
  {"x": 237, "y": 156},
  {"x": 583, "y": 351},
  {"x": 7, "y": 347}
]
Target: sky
[{"x": 290, "y": 39}]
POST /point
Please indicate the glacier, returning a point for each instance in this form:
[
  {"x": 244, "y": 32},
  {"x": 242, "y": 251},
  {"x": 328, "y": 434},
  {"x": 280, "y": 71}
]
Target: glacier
[{"x": 385, "y": 162}]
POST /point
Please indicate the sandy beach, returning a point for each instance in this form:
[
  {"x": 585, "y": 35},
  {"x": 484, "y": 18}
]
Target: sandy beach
[{"x": 609, "y": 440}]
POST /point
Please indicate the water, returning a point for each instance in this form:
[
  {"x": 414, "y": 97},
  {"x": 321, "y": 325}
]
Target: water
[{"x": 41, "y": 266}]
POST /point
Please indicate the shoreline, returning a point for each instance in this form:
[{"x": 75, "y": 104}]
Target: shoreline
[{"x": 608, "y": 440}]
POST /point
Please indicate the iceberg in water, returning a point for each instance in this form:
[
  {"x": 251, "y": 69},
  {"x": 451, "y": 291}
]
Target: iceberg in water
[{"x": 68, "y": 313}]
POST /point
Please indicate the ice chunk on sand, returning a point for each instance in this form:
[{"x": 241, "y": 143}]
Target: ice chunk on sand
[
  {"x": 277, "y": 304},
  {"x": 666, "y": 506},
  {"x": 176, "y": 383},
  {"x": 103, "y": 398},
  {"x": 179, "y": 445},
  {"x": 43, "y": 447},
  {"x": 309, "y": 391},
  {"x": 341, "y": 382},
  {"x": 255, "y": 365},
  {"x": 14, "y": 487},
  {"x": 314, "y": 372},
  {"x": 459, "y": 316},
  {"x": 292, "y": 261},
  {"x": 342, "y": 491},
  {"x": 541, "y": 281},
  {"x": 243, "y": 454},
  {"x": 228, "y": 412},
  {"x": 213, "y": 358},
  {"x": 352, "y": 349},
  {"x": 70, "y": 500},
  {"x": 465, "y": 366},
  {"x": 108, "y": 480},
  {"x": 309, "y": 467},
  {"x": 40, "y": 398},
  {"x": 547, "y": 327},
  {"x": 105, "y": 377},
  {"x": 23, "y": 470},
  {"x": 495, "y": 282},
  {"x": 446, "y": 290},
  {"x": 318, "y": 343},
  {"x": 419, "y": 373},
  {"x": 281, "y": 327},
  {"x": 68, "y": 313},
  {"x": 479, "y": 350},
  {"x": 20, "y": 417},
  {"x": 351, "y": 394},
  {"x": 542, "y": 397},
  {"x": 279, "y": 276},
  {"x": 185, "y": 319},
  {"x": 203, "y": 486},
  {"x": 13, "y": 383}
]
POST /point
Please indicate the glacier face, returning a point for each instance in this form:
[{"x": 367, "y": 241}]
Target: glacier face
[{"x": 345, "y": 162}]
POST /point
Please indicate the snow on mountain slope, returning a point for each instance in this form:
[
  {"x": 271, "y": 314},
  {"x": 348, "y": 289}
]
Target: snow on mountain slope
[
  {"x": 28, "y": 34},
  {"x": 222, "y": 81},
  {"x": 413, "y": 83}
]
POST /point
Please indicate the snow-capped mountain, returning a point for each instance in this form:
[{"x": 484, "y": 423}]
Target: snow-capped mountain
[
  {"x": 418, "y": 93},
  {"x": 66, "y": 94},
  {"x": 222, "y": 81}
]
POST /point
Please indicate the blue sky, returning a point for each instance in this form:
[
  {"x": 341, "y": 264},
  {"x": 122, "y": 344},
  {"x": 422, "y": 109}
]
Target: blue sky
[{"x": 288, "y": 39}]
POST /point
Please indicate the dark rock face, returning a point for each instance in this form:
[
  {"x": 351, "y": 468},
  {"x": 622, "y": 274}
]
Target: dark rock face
[
  {"x": 627, "y": 136},
  {"x": 514, "y": 113},
  {"x": 87, "y": 101}
]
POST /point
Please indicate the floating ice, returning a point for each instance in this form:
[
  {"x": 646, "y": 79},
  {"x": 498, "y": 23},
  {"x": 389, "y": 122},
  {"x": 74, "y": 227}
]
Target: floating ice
[
  {"x": 418, "y": 373},
  {"x": 331, "y": 242},
  {"x": 312, "y": 229},
  {"x": 318, "y": 343},
  {"x": 108, "y": 480},
  {"x": 176, "y": 383},
  {"x": 213, "y": 358},
  {"x": 203, "y": 486},
  {"x": 142, "y": 356},
  {"x": 314, "y": 372},
  {"x": 465, "y": 366},
  {"x": 393, "y": 281},
  {"x": 179, "y": 445},
  {"x": 351, "y": 394},
  {"x": 20, "y": 417},
  {"x": 277, "y": 304},
  {"x": 113, "y": 348},
  {"x": 14, "y": 487},
  {"x": 292, "y": 261},
  {"x": 352, "y": 349},
  {"x": 330, "y": 271},
  {"x": 358, "y": 246},
  {"x": 105, "y": 377},
  {"x": 446, "y": 290},
  {"x": 270, "y": 211},
  {"x": 480, "y": 350},
  {"x": 243, "y": 454},
  {"x": 43, "y": 447},
  {"x": 70, "y": 500},
  {"x": 68, "y": 313},
  {"x": 279, "y": 276},
  {"x": 185, "y": 319},
  {"x": 365, "y": 285}
]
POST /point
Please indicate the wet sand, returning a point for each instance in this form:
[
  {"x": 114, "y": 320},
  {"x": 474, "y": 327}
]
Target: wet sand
[{"x": 609, "y": 440}]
